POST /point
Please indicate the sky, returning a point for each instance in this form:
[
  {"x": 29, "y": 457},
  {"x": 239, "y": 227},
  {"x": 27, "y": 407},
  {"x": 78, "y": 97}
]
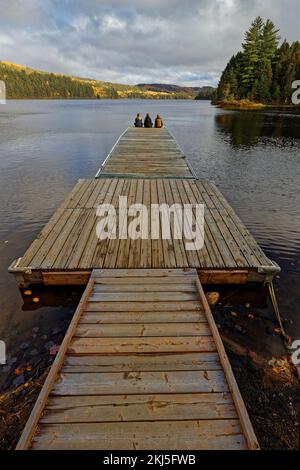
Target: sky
[{"x": 185, "y": 42}]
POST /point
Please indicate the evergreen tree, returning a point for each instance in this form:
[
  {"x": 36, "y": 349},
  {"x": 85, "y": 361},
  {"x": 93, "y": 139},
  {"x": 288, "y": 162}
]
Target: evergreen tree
[
  {"x": 252, "y": 54},
  {"x": 263, "y": 71}
]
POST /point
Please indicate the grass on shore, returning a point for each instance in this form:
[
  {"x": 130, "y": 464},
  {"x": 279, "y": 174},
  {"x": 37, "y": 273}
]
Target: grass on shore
[{"x": 240, "y": 104}]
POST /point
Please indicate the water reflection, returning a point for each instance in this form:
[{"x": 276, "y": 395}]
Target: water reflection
[{"x": 248, "y": 128}]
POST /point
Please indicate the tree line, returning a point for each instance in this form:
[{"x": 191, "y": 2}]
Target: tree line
[
  {"x": 263, "y": 71},
  {"x": 23, "y": 82}
]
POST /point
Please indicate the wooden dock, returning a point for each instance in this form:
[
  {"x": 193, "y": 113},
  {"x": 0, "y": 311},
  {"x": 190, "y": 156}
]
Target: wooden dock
[
  {"x": 145, "y": 153},
  {"x": 142, "y": 366},
  {"x": 67, "y": 249}
]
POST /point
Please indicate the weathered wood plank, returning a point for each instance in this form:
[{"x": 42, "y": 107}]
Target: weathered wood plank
[
  {"x": 188, "y": 305},
  {"x": 135, "y": 345},
  {"x": 110, "y": 383},
  {"x": 163, "y": 435},
  {"x": 94, "y": 315},
  {"x": 144, "y": 287},
  {"x": 158, "y": 407},
  {"x": 142, "y": 329},
  {"x": 143, "y": 296},
  {"x": 146, "y": 362}
]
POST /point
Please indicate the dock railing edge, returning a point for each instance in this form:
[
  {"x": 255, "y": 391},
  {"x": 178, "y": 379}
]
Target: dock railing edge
[
  {"x": 242, "y": 412},
  {"x": 110, "y": 152},
  {"x": 33, "y": 420}
]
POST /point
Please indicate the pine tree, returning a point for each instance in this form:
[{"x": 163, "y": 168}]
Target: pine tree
[
  {"x": 263, "y": 71},
  {"x": 252, "y": 53}
]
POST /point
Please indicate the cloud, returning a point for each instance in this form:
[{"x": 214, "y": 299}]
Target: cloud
[{"x": 173, "y": 41}]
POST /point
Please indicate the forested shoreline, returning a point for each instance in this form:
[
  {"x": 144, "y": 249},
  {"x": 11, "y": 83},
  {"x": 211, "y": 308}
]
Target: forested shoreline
[
  {"x": 263, "y": 72},
  {"x": 26, "y": 83}
]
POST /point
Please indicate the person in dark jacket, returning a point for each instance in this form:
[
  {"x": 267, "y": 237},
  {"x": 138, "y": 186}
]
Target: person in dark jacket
[
  {"x": 148, "y": 122},
  {"x": 138, "y": 121},
  {"x": 159, "y": 122}
]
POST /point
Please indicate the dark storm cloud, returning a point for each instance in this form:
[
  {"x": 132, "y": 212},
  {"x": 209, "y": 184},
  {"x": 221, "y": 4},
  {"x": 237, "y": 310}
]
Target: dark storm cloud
[{"x": 186, "y": 42}]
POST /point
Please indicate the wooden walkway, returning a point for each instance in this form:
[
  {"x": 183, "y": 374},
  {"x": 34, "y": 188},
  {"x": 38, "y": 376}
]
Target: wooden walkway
[
  {"x": 142, "y": 366},
  {"x": 145, "y": 153}
]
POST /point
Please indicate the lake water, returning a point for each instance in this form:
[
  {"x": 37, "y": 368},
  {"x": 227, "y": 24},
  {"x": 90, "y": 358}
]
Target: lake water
[{"x": 46, "y": 146}]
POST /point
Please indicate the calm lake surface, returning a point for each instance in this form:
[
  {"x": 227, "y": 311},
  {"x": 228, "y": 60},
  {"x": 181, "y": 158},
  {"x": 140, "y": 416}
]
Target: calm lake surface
[{"x": 46, "y": 146}]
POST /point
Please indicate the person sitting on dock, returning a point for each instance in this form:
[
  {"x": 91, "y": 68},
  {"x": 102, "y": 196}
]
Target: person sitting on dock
[
  {"x": 138, "y": 121},
  {"x": 159, "y": 122},
  {"x": 148, "y": 122}
]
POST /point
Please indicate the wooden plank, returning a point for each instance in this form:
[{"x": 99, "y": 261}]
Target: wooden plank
[
  {"x": 142, "y": 329},
  {"x": 163, "y": 435},
  {"x": 143, "y": 296},
  {"x": 158, "y": 407},
  {"x": 158, "y": 361},
  {"x": 144, "y": 306},
  {"x": 193, "y": 196},
  {"x": 152, "y": 287},
  {"x": 135, "y": 345},
  {"x": 206, "y": 276},
  {"x": 179, "y": 249},
  {"x": 102, "y": 246},
  {"x": 93, "y": 315},
  {"x": 115, "y": 247},
  {"x": 65, "y": 278},
  {"x": 178, "y": 197},
  {"x": 126, "y": 245},
  {"x": 48, "y": 237},
  {"x": 141, "y": 280},
  {"x": 146, "y": 244},
  {"x": 255, "y": 248},
  {"x": 135, "y": 245},
  {"x": 110, "y": 383},
  {"x": 63, "y": 247},
  {"x": 234, "y": 276},
  {"x": 151, "y": 273}
]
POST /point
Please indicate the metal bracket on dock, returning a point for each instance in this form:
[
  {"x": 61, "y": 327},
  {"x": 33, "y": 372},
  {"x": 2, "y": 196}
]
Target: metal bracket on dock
[
  {"x": 269, "y": 271},
  {"x": 20, "y": 273}
]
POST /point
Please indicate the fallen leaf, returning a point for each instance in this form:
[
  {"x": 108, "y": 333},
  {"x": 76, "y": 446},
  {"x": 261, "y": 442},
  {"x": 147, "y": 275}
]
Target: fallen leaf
[
  {"x": 19, "y": 370},
  {"x": 54, "y": 350}
]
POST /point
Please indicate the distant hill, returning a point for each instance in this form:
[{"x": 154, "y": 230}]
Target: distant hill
[
  {"x": 181, "y": 91},
  {"x": 185, "y": 92},
  {"x": 24, "y": 82}
]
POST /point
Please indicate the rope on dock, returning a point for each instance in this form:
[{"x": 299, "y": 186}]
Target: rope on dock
[{"x": 286, "y": 337}]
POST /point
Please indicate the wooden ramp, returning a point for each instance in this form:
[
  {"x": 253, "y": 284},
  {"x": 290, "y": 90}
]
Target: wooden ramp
[
  {"x": 142, "y": 366},
  {"x": 145, "y": 153}
]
